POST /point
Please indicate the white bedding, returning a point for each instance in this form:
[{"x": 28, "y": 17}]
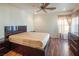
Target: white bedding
[{"x": 31, "y": 39}]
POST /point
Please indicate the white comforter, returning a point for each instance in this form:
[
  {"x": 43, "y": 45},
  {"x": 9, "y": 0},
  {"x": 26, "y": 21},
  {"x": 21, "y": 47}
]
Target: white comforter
[{"x": 31, "y": 39}]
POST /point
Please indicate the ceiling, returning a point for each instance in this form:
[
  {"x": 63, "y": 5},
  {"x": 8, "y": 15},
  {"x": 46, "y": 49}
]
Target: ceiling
[{"x": 60, "y": 7}]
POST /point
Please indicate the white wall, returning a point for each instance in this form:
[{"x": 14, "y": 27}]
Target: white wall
[
  {"x": 13, "y": 16},
  {"x": 46, "y": 23},
  {"x": 10, "y": 15}
]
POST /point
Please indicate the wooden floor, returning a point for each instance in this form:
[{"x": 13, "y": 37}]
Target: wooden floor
[
  {"x": 12, "y": 53},
  {"x": 57, "y": 47}
]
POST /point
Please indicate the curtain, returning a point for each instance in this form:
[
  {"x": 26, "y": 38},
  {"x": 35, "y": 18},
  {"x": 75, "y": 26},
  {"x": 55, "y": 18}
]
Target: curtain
[
  {"x": 75, "y": 23},
  {"x": 64, "y": 23},
  {"x": 69, "y": 20}
]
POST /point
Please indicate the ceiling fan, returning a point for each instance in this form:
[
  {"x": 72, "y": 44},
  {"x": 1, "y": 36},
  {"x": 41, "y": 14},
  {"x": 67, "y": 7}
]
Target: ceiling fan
[{"x": 44, "y": 7}]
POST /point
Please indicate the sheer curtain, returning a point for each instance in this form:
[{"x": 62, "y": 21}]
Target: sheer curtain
[
  {"x": 74, "y": 25},
  {"x": 64, "y": 23}
]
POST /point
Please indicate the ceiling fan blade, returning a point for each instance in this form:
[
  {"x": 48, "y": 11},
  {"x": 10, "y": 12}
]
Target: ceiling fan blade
[
  {"x": 44, "y": 5},
  {"x": 52, "y": 8},
  {"x": 39, "y": 10},
  {"x": 44, "y": 10}
]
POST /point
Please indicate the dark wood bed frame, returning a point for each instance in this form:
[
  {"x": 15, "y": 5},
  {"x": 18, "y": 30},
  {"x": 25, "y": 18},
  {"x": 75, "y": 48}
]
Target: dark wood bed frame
[{"x": 24, "y": 50}]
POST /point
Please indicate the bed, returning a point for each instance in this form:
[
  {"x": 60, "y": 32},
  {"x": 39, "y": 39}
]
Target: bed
[
  {"x": 26, "y": 41},
  {"x": 31, "y": 39}
]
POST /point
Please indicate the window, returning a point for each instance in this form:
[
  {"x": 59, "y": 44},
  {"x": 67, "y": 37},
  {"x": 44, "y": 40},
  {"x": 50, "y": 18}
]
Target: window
[
  {"x": 63, "y": 25},
  {"x": 74, "y": 26}
]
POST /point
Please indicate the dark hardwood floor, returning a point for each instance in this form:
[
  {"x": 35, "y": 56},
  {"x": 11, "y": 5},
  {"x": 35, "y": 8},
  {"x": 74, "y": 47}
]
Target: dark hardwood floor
[{"x": 57, "y": 47}]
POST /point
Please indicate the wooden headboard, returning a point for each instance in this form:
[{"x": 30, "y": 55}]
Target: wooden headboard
[{"x": 10, "y": 30}]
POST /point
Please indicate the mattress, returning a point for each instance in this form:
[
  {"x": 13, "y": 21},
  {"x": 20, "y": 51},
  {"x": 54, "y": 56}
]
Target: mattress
[{"x": 32, "y": 39}]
